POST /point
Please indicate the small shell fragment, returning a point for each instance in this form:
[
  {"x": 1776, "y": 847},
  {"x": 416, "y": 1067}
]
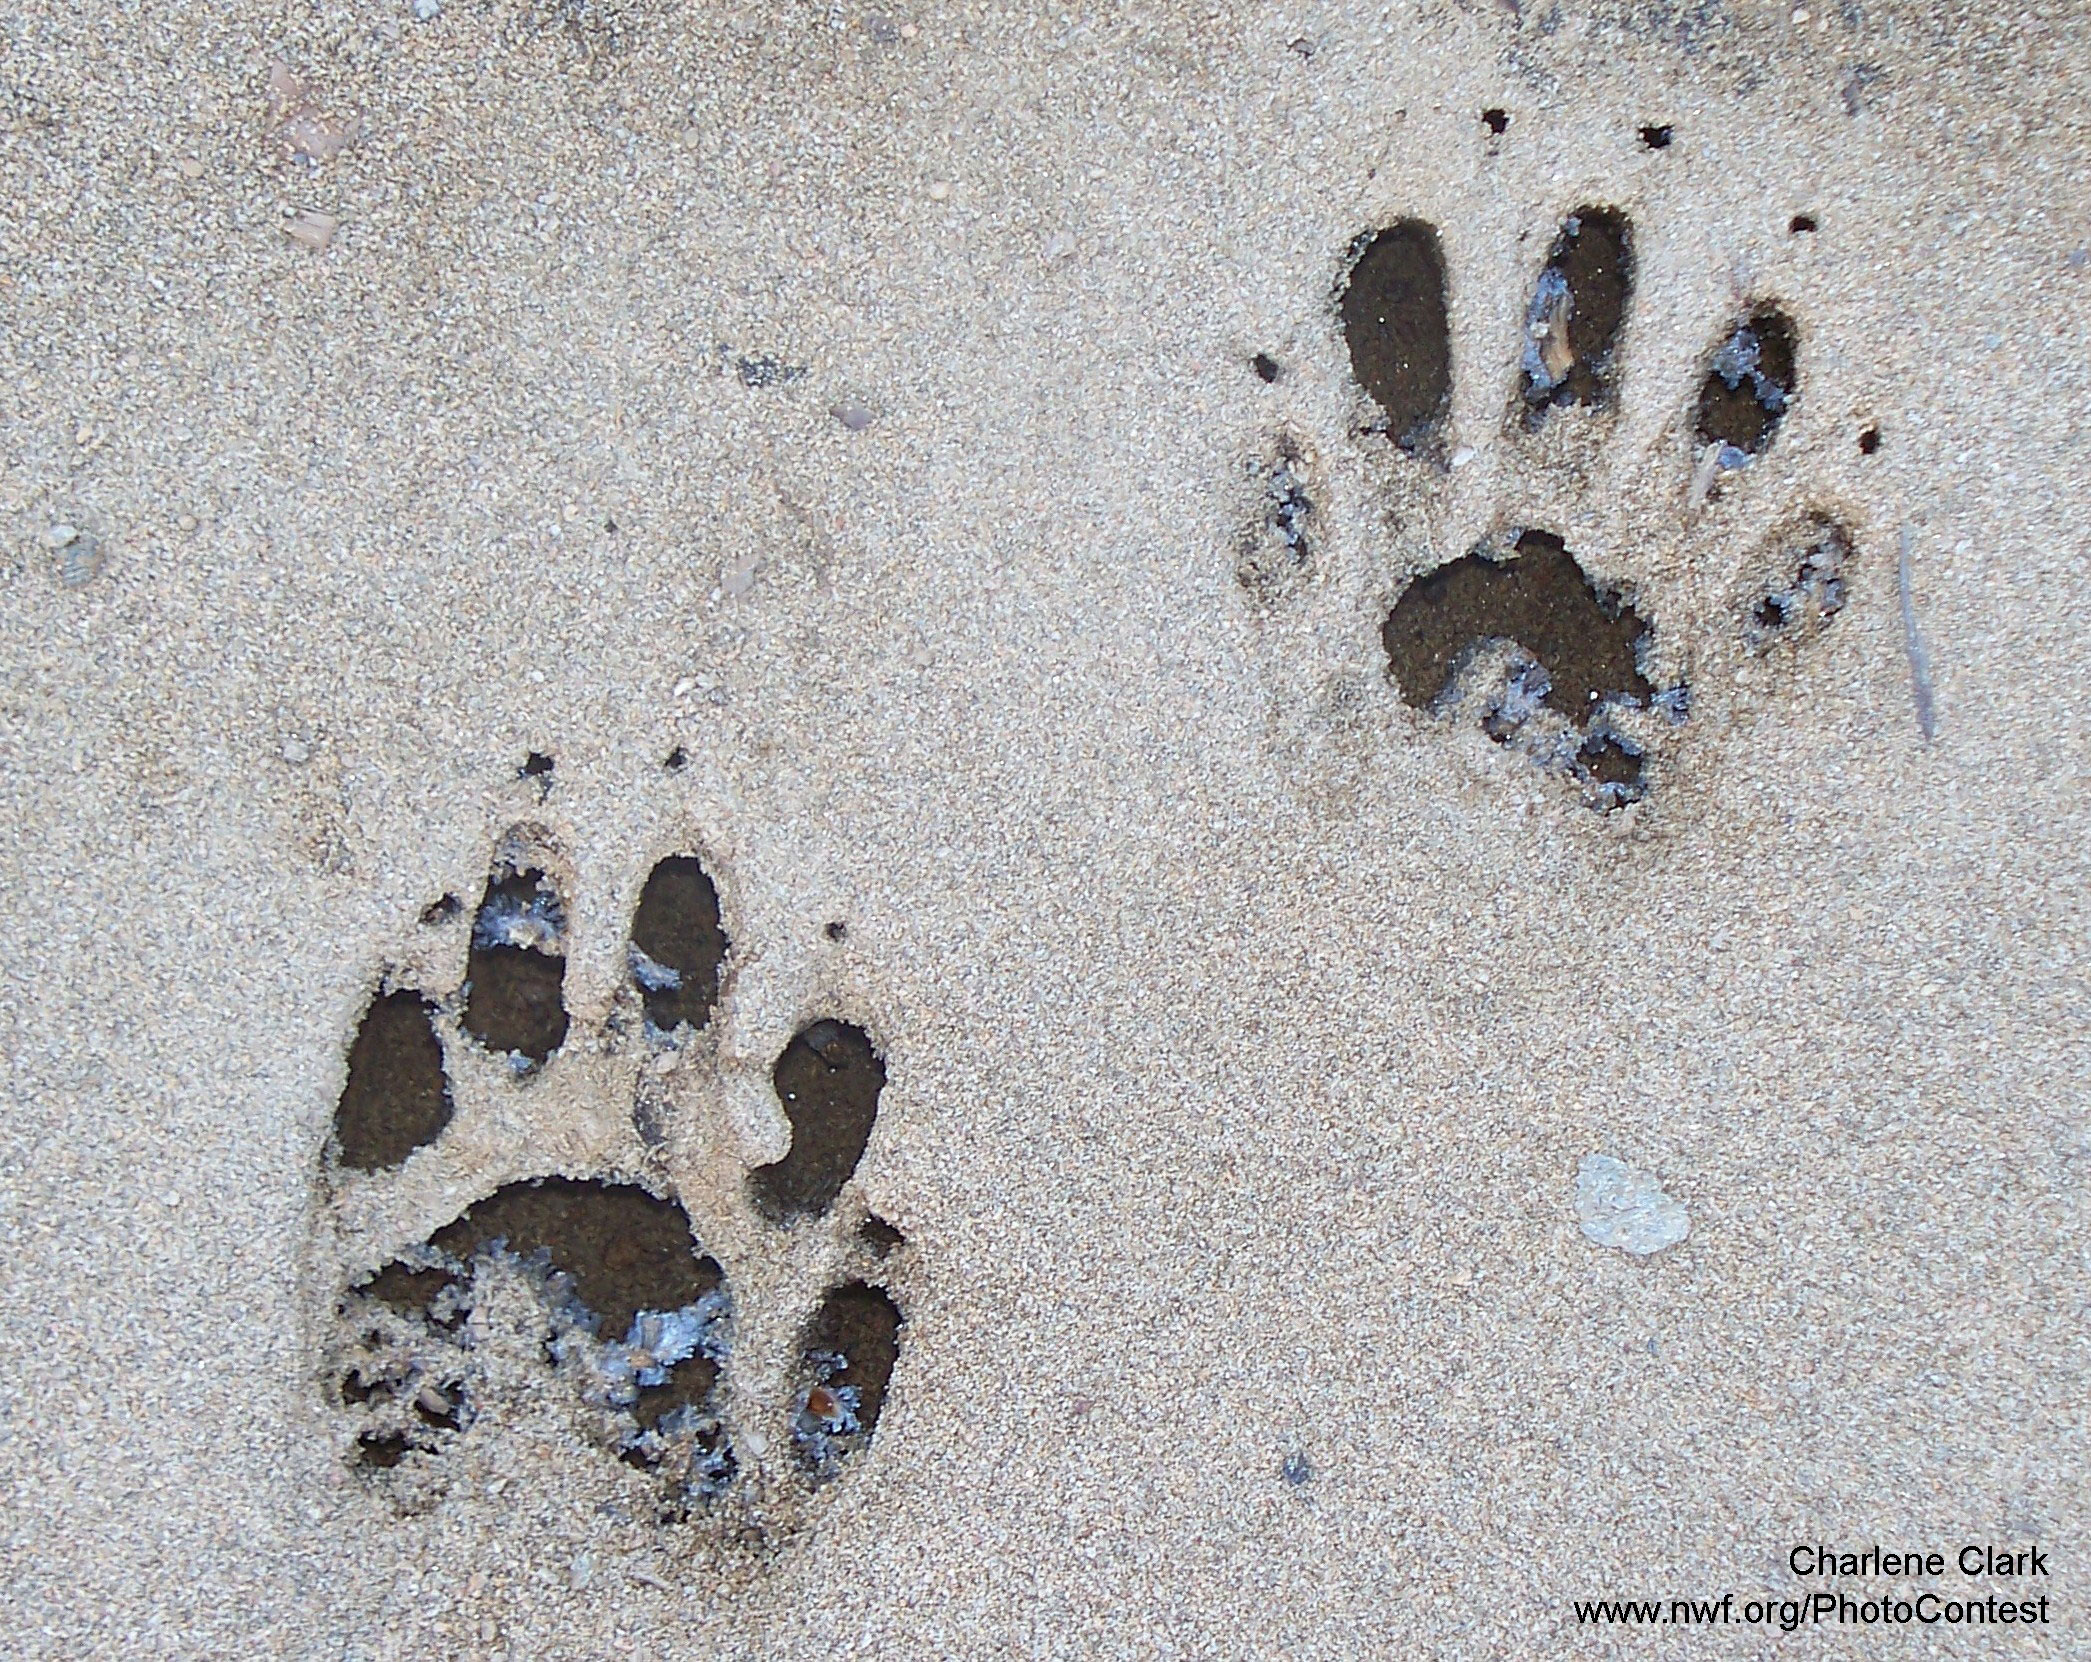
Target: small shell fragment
[
  {"x": 312, "y": 229},
  {"x": 84, "y": 560}
]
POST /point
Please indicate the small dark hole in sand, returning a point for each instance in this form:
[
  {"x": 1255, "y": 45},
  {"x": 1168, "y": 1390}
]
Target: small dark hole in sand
[
  {"x": 1656, "y": 138},
  {"x": 397, "y": 1098},
  {"x": 1541, "y": 599},
  {"x": 537, "y": 766},
  {"x": 828, "y": 1081},
  {"x": 1496, "y": 121},
  {"x": 1801, "y": 223},
  {"x": 355, "y": 1389},
  {"x": 1573, "y": 322},
  {"x": 836, "y": 931},
  {"x": 676, "y": 760},
  {"x": 851, "y": 1345},
  {"x": 1611, "y": 763},
  {"x": 516, "y": 971},
  {"x": 441, "y": 911},
  {"x": 623, "y": 1249},
  {"x": 1749, "y": 383},
  {"x": 1394, "y": 321},
  {"x": 1869, "y": 441},
  {"x": 610, "y": 525},
  {"x": 1266, "y": 367},
  {"x": 678, "y": 947},
  {"x": 880, "y": 1236},
  {"x": 408, "y": 1290},
  {"x": 382, "y": 1449}
]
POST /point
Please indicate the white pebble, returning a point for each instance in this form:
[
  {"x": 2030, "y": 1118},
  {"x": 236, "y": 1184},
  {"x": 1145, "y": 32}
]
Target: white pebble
[
  {"x": 426, "y": 10},
  {"x": 294, "y": 752},
  {"x": 1624, "y": 1207},
  {"x": 939, "y": 191},
  {"x": 59, "y": 536},
  {"x": 853, "y": 416}
]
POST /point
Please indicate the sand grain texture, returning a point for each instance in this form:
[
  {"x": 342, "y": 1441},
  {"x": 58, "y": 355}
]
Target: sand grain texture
[{"x": 1243, "y": 1025}]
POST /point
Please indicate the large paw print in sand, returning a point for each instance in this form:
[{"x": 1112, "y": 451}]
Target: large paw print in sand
[
  {"x": 1569, "y": 663},
  {"x": 588, "y": 1284}
]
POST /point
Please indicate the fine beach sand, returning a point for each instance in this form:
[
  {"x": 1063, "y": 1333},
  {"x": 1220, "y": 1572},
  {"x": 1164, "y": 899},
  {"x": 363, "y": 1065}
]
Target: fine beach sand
[{"x": 861, "y": 402}]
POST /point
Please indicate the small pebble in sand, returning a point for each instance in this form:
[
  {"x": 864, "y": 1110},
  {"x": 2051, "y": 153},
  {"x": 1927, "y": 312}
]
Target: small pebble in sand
[
  {"x": 1296, "y": 1469},
  {"x": 59, "y": 535},
  {"x": 739, "y": 576},
  {"x": 190, "y": 167},
  {"x": 853, "y": 416},
  {"x": 939, "y": 191},
  {"x": 312, "y": 229},
  {"x": 1624, "y": 1207},
  {"x": 426, "y": 11},
  {"x": 295, "y": 752}
]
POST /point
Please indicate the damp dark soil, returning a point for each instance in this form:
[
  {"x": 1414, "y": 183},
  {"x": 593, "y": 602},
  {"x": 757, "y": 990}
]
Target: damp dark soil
[
  {"x": 382, "y": 1449},
  {"x": 1609, "y": 762},
  {"x": 880, "y": 1236},
  {"x": 1572, "y": 324},
  {"x": 1394, "y": 320},
  {"x": 409, "y": 1291},
  {"x": 1749, "y": 383},
  {"x": 397, "y": 1098},
  {"x": 516, "y": 972},
  {"x": 828, "y": 1081},
  {"x": 623, "y": 1249},
  {"x": 850, "y": 1345},
  {"x": 677, "y": 930},
  {"x": 689, "y": 1385},
  {"x": 1542, "y": 599}
]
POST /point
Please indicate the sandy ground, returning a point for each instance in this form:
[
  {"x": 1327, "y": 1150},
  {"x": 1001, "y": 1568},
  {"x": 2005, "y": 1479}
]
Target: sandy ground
[{"x": 1245, "y": 1026}]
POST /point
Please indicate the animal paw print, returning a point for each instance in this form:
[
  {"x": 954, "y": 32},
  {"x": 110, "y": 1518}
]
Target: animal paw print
[
  {"x": 1584, "y": 672},
  {"x": 575, "y": 1282}
]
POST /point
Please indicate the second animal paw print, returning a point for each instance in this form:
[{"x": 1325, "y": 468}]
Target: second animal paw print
[
  {"x": 586, "y": 1282},
  {"x": 1583, "y": 667}
]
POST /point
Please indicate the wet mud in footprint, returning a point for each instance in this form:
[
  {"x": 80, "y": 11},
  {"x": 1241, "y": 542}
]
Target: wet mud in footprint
[
  {"x": 851, "y": 1345},
  {"x": 828, "y": 1081},
  {"x": 516, "y": 973},
  {"x": 1748, "y": 386},
  {"x": 623, "y": 1250},
  {"x": 677, "y": 951},
  {"x": 1586, "y": 640},
  {"x": 635, "y": 1311},
  {"x": 397, "y": 1098},
  {"x": 1395, "y": 323},
  {"x": 1572, "y": 325}
]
